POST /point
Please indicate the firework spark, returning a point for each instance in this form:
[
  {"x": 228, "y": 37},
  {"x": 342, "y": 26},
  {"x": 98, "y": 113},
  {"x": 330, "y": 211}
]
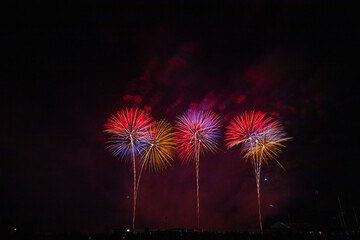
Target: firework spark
[
  {"x": 129, "y": 133},
  {"x": 261, "y": 140},
  {"x": 197, "y": 133}
]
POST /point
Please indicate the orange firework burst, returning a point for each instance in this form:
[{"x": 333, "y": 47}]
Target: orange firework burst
[
  {"x": 160, "y": 147},
  {"x": 266, "y": 144}
]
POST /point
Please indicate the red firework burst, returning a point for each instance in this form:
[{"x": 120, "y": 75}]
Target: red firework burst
[{"x": 244, "y": 126}]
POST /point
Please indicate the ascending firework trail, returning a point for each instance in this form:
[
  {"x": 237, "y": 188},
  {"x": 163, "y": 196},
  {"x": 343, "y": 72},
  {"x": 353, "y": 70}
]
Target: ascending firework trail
[{"x": 197, "y": 133}]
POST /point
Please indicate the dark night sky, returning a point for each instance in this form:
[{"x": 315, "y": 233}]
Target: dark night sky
[{"x": 68, "y": 67}]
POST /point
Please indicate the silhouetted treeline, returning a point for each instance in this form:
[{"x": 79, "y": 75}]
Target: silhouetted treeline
[{"x": 178, "y": 235}]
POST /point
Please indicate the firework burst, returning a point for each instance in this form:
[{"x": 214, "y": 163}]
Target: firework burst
[
  {"x": 160, "y": 147},
  {"x": 261, "y": 141},
  {"x": 244, "y": 126},
  {"x": 129, "y": 134},
  {"x": 128, "y": 131},
  {"x": 197, "y": 133},
  {"x": 266, "y": 144}
]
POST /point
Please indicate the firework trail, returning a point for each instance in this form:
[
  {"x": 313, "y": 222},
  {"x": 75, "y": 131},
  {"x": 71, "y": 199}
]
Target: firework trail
[
  {"x": 261, "y": 141},
  {"x": 129, "y": 134},
  {"x": 197, "y": 133}
]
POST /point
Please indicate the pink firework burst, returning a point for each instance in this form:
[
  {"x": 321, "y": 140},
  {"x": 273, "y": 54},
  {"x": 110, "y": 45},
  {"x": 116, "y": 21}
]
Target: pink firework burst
[{"x": 197, "y": 132}]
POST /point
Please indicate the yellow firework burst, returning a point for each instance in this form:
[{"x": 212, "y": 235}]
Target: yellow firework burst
[
  {"x": 266, "y": 145},
  {"x": 161, "y": 146}
]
